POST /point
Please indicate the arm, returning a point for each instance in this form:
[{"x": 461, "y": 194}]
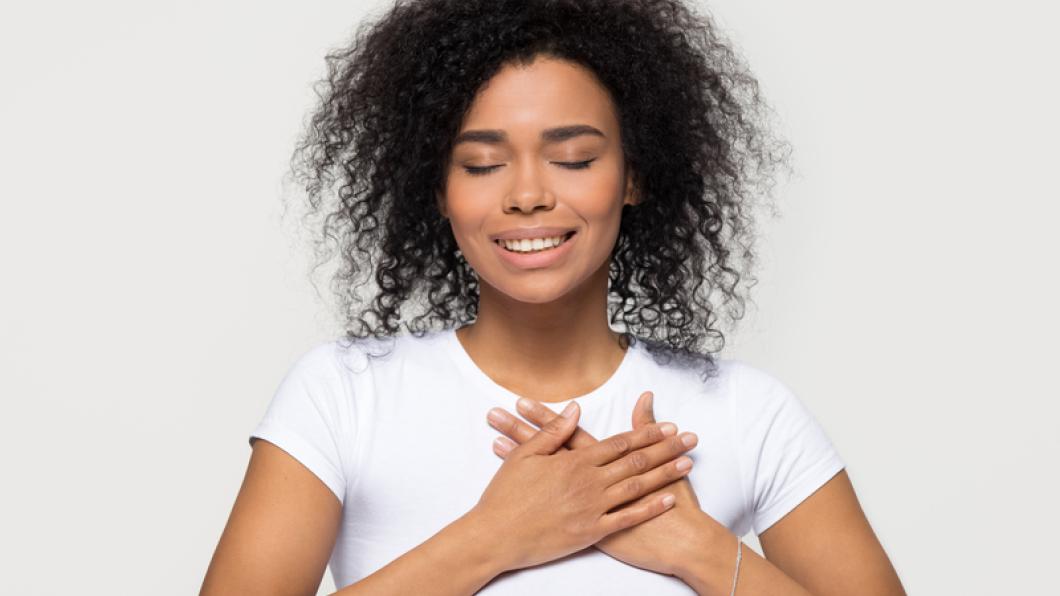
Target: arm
[
  {"x": 283, "y": 526},
  {"x": 280, "y": 533},
  {"x": 456, "y": 560},
  {"x": 825, "y": 547}
]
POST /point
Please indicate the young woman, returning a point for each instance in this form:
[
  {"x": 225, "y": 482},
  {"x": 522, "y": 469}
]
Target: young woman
[{"x": 547, "y": 200}]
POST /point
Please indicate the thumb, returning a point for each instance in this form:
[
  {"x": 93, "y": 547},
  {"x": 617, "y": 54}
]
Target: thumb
[
  {"x": 555, "y": 433},
  {"x": 643, "y": 412}
]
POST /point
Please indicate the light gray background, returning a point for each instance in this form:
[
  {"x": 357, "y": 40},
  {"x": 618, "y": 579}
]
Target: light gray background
[{"x": 153, "y": 297}]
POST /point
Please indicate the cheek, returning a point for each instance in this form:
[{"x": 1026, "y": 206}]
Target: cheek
[
  {"x": 468, "y": 213},
  {"x": 599, "y": 196},
  {"x": 463, "y": 205},
  {"x": 600, "y": 204}
]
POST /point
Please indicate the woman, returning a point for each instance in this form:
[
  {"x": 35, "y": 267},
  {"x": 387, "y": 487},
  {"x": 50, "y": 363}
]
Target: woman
[{"x": 513, "y": 178}]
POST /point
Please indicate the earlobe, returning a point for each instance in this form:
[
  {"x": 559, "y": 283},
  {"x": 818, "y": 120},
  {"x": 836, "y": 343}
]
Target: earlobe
[
  {"x": 632, "y": 197},
  {"x": 439, "y": 200}
]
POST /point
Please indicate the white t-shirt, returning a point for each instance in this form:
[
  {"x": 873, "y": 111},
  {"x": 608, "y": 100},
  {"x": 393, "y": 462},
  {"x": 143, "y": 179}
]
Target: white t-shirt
[{"x": 404, "y": 444}]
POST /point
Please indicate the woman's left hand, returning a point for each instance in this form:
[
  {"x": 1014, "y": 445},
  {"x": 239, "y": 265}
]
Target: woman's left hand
[{"x": 666, "y": 543}]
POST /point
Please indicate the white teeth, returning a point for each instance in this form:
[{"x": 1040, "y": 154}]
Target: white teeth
[{"x": 528, "y": 245}]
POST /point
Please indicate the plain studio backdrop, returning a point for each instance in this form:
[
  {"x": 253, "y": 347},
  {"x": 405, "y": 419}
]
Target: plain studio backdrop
[{"x": 154, "y": 294}]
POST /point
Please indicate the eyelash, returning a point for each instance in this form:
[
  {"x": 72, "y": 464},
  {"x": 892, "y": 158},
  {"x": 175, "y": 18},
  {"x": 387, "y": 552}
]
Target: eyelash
[{"x": 482, "y": 171}]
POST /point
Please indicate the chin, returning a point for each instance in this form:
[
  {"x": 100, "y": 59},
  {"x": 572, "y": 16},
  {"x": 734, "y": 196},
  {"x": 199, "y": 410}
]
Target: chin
[{"x": 532, "y": 293}]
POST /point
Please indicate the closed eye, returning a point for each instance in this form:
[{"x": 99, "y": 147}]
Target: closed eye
[{"x": 575, "y": 165}]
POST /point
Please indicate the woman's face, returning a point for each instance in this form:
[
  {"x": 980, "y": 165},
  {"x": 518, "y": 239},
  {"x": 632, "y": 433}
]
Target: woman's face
[{"x": 537, "y": 162}]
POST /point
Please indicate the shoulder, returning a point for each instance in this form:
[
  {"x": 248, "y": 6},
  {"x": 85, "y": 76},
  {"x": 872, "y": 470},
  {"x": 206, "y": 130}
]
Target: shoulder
[
  {"x": 756, "y": 389},
  {"x": 365, "y": 357},
  {"x": 765, "y": 409},
  {"x": 702, "y": 376},
  {"x": 714, "y": 374},
  {"x": 769, "y": 414}
]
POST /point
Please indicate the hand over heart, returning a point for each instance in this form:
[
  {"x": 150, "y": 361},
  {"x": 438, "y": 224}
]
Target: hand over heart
[{"x": 656, "y": 544}]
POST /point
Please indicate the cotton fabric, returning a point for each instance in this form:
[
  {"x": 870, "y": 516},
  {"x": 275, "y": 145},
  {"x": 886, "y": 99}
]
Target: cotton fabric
[{"x": 403, "y": 443}]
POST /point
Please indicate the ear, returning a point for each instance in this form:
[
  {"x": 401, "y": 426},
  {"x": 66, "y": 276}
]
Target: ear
[
  {"x": 439, "y": 200},
  {"x": 632, "y": 196}
]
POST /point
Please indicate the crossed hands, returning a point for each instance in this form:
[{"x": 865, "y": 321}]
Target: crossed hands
[{"x": 611, "y": 494}]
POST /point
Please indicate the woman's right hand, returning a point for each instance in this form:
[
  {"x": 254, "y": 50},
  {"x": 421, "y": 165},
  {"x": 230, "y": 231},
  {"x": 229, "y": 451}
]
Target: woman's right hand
[{"x": 545, "y": 502}]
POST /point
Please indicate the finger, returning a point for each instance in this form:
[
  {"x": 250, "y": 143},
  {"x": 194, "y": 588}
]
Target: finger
[
  {"x": 648, "y": 458},
  {"x": 541, "y": 415},
  {"x": 511, "y": 426},
  {"x": 642, "y": 412},
  {"x": 646, "y": 498},
  {"x": 553, "y": 435},
  {"x": 637, "y": 486},
  {"x": 636, "y": 513},
  {"x": 503, "y": 445},
  {"x": 616, "y": 446}
]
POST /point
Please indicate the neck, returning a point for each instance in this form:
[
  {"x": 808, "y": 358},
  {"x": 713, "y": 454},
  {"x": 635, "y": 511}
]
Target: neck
[{"x": 548, "y": 352}]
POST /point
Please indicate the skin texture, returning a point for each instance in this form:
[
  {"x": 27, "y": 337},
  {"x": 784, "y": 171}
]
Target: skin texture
[
  {"x": 542, "y": 333},
  {"x": 281, "y": 530},
  {"x": 657, "y": 544},
  {"x": 546, "y": 504}
]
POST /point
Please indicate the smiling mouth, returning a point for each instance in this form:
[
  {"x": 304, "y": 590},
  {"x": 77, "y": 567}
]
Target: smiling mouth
[{"x": 528, "y": 246}]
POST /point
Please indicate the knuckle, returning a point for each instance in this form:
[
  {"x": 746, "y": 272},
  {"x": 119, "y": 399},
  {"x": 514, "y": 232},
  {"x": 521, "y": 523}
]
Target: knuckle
[
  {"x": 654, "y": 434},
  {"x": 533, "y": 415},
  {"x": 676, "y": 445},
  {"x": 638, "y": 461},
  {"x": 620, "y": 445},
  {"x": 633, "y": 486}
]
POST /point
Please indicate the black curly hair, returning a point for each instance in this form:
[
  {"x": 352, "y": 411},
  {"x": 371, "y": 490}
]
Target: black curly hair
[{"x": 376, "y": 150}]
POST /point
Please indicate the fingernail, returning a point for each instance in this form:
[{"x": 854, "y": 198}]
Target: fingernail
[
  {"x": 688, "y": 439},
  {"x": 668, "y": 429},
  {"x": 496, "y": 415},
  {"x": 569, "y": 410},
  {"x": 668, "y": 500},
  {"x": 524, "y": 403},
  {"x": 683, "y": 464},
  {"x": 648, "y": 402}
]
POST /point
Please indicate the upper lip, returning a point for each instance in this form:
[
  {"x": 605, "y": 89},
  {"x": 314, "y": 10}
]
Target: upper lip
[{"x": 530, "y": 233}]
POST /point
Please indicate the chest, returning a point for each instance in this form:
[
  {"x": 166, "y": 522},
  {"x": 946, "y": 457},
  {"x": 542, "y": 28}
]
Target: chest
[{"x": 423, "y": 462}]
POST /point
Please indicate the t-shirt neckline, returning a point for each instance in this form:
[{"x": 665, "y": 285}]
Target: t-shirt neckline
[{"x": 468, "y": 366}]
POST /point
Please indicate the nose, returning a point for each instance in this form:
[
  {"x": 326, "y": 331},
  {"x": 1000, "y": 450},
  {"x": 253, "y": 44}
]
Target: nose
[{"x": 528, "y": 192}]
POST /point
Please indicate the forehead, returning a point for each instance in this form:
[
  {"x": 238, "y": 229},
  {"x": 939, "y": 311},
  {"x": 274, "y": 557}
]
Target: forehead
[{"x": 546, "y": 93}]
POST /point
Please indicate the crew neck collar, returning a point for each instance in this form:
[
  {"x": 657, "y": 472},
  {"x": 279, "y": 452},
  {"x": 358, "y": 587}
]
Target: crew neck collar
[{"x": 467, "y": 365}]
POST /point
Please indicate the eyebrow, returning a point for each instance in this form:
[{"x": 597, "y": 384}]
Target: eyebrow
[{"x": 549, "y": 135}]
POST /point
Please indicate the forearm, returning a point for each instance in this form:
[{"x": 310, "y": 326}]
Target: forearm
[
  {"x": 707, "y": 563},
  {"x": 712, "y": 574},
  {"x": 457, "y": 560}
]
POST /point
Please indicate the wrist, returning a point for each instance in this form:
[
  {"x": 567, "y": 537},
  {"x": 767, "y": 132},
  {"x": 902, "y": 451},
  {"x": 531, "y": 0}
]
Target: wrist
[
  {"x": 485, "y": 543},
  {"x": 708, "y": 562}
]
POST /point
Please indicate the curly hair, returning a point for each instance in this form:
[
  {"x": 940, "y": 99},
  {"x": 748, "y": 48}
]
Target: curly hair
[{"x": 691, "y": 117}]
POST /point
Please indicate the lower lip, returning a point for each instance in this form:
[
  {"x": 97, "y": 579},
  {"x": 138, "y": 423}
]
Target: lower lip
[{"x": 535, "y": 260}]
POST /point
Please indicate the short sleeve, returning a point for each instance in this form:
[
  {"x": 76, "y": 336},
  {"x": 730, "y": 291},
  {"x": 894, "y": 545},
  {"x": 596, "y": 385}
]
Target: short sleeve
[
  {"x": 309, "y": 415},
  {"x": 784, "y": 452}
]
